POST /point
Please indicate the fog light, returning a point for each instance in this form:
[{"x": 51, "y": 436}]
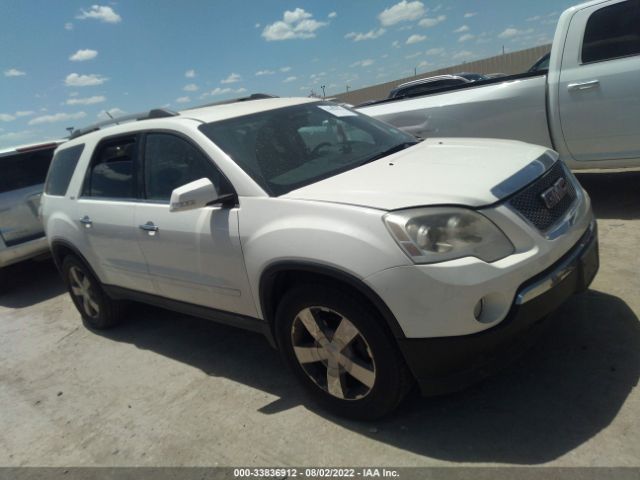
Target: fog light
[{"x": 477, "y": 310}]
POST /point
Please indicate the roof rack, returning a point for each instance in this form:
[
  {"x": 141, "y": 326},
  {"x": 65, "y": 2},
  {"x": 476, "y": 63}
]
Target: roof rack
[
  {"x": 155, "y": 113},
  {"x": 158, "y": 113},
  {"x": 253, "y": 96}
]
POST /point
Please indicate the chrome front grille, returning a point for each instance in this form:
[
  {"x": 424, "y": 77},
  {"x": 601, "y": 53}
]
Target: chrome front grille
[{"x": 529, "y": 202}]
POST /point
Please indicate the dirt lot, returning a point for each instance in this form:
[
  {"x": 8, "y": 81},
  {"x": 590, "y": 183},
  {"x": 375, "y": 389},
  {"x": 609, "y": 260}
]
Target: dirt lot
[{"x": 166, "y": 389}]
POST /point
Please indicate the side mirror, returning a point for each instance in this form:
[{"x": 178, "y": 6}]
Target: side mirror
[{"x": 196, "y": 194}]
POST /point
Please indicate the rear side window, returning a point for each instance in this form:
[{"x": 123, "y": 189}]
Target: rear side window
[
  {"x": 61, "y": 170},
  {"x": 111, "y": 174},
  {"x": 170, "y": 162},
  {"x": 612, "y": 32},
  {"x": 24, "y": 169}
]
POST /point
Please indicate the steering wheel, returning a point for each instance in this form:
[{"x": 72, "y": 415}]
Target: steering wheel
[{"x": 319, "y": 147}]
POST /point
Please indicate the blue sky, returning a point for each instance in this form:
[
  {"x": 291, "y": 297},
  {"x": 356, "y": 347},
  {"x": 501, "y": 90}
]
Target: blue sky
[{"x": 64, "y": 63}]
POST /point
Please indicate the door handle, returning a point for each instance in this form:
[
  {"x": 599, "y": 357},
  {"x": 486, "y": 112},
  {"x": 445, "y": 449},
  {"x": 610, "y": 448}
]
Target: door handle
[
  {"x": 86, "y": 221},
  {"x": 574, "y": 87},
  {"x": 150, "y": 228}
]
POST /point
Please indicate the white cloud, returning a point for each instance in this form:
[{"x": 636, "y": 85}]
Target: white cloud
[
  {"x": 5, "y": 117},
  {"x": 470, "y": 14},
  {"x": 68, "y": 26},
  {"x": 232, "y": 78},
  {"x": 290, "y": 79},
  {"x": 423, "y": 64},
  {"x": 363, "y": 63},
  {"x": 183, "y": 100},
  {"x": 76, "y": 80},
  {"x": 463, "y": 55},
  {"x": 24, "y": 113},
  {"x": 221, "y": 91},
  {"x": 434, "y": 51},
  {"x": 396, "y": 44},
  {"x": 258, "y": 25},
  {"x": 462, "y": 29},
  {"x": 332, "y": 15},
  {"x": 370, "y": 35},
  {"x": 100, "y": 12},
  {"x": 82, "y": 55},
  {"x": 415, "y": 39},
  {"x": 432, "y": 22},
  {"x": 241, "y": 90},
  {"x": 260, "y": 73},
  {"x": 86, "y": 101},
  {"x": 514, "y": 32},
  {"x": 402, "y": 12},
  {"x": 191, "y": 87},
  {"x": 466, "y": 37},
  {"x": 534, "y": 18},
  {"x": 57, "y": 117},
  {"x": 12, "y": 137},
  {"x": 285, "y": 69},
  {"x": 190, "y": 73},
  {"x": 114, "y": 112},
  {"x": 14, "y": 72},
  {"x": 413, "y": 55},
  {"x": 297, "y": 23}
]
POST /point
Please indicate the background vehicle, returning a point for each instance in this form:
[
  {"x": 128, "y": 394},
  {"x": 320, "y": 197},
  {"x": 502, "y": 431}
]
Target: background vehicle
[
  {"x": 541, "y": 65},
  {"x": 22, "y": 175},
  {"x": 368, "y": 258},
  {"x": 585, "y": 107},
  {"x": 426, "y": 85}
]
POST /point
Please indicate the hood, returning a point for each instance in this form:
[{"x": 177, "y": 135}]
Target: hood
[{"x": 437, "y": 171}]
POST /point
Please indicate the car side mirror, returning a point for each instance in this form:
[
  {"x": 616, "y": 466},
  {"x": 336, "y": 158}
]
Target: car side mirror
[{"x": 191, "y": 196}]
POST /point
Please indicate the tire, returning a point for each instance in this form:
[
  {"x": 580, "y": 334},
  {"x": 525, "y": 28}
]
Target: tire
[
  {"x": 98, "y": 310},
  {"x": 341, "y": 352}
]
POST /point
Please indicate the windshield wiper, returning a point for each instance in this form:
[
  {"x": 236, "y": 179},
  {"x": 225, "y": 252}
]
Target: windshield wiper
[{"x": 389, "y": 151}]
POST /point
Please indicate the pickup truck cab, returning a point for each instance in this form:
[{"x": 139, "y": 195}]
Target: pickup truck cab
[
  {"x": 369, "y": 259},
  {"x": 585, "y": 106}
]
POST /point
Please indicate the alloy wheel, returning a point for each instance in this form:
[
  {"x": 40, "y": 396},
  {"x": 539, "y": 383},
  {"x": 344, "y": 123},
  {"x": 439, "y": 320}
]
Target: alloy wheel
[
  {"x": 82, "y": 290},
  {"x": 333, "y": 353}
]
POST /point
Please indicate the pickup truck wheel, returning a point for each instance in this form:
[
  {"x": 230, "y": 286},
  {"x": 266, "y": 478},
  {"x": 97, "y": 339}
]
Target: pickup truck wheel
[
  {"x": 97, "y": 309},
  {"x": 340, "y": 352}
]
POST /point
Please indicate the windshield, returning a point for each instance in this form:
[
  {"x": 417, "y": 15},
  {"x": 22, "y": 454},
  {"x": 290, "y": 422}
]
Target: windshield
[{"x": 291, "y": 147}]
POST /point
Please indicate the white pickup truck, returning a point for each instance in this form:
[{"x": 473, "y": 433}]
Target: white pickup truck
[{"x": 586, "y": 106}]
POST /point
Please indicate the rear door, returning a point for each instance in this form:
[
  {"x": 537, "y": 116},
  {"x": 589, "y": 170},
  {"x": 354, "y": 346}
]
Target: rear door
[
  {"x": 105, "y": 214},
  {"x": 599, "y": 88},
  {"x": 22, "y": 176}
]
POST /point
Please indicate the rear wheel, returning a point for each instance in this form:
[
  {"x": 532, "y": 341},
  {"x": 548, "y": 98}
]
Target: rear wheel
[
  {"x": 340, "y": 351},
  {"x": 98, "y": 310}
]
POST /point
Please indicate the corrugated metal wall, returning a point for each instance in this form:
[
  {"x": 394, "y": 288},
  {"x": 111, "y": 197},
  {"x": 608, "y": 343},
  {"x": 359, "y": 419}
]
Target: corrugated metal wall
[{"x": 509, "y": 63}]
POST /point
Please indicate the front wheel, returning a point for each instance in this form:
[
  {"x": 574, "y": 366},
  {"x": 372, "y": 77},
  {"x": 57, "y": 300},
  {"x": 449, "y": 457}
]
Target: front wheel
[{"x": 341, "y": 352}]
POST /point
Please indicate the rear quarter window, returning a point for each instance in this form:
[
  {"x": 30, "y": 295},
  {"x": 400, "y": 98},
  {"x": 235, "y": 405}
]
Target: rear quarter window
[{"x": 61, "y": 170}]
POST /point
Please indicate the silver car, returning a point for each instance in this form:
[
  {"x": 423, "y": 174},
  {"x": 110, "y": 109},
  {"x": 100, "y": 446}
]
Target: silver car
[{"x": 24, "y": 170}]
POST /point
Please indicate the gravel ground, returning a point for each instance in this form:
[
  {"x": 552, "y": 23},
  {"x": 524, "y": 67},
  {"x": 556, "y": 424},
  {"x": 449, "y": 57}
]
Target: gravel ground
[{"x": 166, "y": 389}]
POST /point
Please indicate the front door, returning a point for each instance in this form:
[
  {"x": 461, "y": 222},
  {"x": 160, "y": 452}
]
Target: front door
[
  {"x": 599, "y": 88},
  {"x": 193, "y": 256}
]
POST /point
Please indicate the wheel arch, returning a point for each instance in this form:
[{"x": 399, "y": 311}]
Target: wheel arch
[
  {"x": 61, "y": 248},
  {"x": 279, "y": 276}
]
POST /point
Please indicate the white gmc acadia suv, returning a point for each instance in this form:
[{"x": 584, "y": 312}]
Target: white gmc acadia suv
[{"x": 370, "y": 259}]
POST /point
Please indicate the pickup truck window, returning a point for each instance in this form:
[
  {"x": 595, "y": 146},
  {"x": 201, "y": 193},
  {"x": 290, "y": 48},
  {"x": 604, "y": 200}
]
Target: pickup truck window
[
  {"x": 62, "y": 167},
  {"x": 612, "y": 32},
  {"x": 24, "y": 169},
  {"x": 291, "y": 147}
]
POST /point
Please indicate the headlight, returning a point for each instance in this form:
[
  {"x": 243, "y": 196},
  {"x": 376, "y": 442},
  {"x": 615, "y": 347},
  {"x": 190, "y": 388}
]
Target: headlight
[{"x": 431, "y": 235}]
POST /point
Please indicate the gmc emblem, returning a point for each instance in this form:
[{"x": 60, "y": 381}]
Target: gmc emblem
[{"x": 552, "y": 196}]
